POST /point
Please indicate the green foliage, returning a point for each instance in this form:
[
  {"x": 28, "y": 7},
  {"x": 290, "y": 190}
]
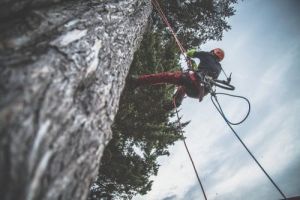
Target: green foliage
[
  {"x": 142, "y": 130},
  {"x": 196, "y": 21}
]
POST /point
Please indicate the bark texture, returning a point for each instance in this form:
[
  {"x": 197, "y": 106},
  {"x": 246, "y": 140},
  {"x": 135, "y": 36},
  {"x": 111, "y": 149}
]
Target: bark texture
[{"x": 62, "y": 69}]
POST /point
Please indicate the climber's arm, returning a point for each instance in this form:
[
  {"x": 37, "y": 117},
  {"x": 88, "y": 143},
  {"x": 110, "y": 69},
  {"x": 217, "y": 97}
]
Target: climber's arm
[{"x": 191, "y": 54}]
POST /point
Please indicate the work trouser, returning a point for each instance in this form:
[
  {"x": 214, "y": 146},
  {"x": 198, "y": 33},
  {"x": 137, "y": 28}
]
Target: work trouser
[{"x": 187, "y": 81}]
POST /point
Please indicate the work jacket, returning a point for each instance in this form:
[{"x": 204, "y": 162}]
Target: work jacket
[{"x": 209, "y": 64}]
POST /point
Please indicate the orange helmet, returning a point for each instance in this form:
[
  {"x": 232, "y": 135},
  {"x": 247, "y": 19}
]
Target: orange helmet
[{"x": 219, "y": 53}]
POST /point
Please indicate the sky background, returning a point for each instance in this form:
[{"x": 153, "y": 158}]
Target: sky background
[{"x": 262, "y": 50}]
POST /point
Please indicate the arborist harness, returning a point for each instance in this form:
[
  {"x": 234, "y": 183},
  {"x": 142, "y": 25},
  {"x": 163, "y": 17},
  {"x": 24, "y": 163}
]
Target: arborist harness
[{"x": 210, "y": 84}]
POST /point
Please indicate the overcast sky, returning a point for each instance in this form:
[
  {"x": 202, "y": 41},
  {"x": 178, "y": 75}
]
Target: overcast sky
[{"x": 262, "y": 50}]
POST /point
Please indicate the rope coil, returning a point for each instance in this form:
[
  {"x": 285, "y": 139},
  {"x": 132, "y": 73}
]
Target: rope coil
[{"x": 217, "y": 105}]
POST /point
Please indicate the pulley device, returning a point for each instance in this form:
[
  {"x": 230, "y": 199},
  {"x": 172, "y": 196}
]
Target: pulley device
[{"x": 209, "y": 82}]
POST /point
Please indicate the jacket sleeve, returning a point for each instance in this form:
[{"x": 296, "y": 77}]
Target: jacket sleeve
[
  {"x": 191, "y": 53},
  {"x": 200, "y": 55}
]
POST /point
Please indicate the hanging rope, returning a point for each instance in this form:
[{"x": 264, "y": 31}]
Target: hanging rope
[
  {"x": 183, "y": 52},
  {"x": 219, "y": 109},
  {"x": 187, "y": 150}
]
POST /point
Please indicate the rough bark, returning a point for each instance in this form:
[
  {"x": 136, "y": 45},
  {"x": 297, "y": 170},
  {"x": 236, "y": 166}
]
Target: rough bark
[{"x": 62, "y": 68}]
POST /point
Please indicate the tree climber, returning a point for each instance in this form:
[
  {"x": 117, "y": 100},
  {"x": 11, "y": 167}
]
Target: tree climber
[{"x": 189, "y": 82}]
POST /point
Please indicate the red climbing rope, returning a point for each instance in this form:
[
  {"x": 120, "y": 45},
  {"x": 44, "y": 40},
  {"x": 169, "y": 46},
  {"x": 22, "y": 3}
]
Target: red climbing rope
[
  {"x": 165, "y": 20},
  {"x": 183, "y": 52}
]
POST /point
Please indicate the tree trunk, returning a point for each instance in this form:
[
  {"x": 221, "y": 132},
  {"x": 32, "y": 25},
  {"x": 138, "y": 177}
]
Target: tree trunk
[{"x": 62, "y": 69}]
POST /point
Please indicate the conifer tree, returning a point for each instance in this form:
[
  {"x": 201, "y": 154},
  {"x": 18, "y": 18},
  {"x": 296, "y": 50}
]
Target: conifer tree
[
  {"x": 141, "y": 131},
  {"x": 196, "y": 22}
]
